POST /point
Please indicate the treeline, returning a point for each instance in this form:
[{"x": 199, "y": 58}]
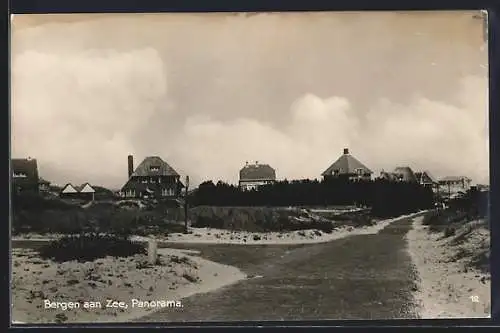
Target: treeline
[{"x": 384, "y": 197}]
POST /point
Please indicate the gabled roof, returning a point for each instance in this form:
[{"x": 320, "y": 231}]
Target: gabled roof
[
  {"x": 148, "y": 165},
  {"x": 405, "y": 173},
  {"x": 25, "y": 166},
  {"x": 257, "y": 171},
  {"x": 86, "y": 188},
  {"x": 68, "y": 188},
  {"x": 425, "y": 177},
  {"x": 346, "y": 164}
]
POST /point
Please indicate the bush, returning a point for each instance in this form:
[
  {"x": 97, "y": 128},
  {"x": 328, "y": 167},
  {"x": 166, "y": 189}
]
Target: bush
[
  {"x": 449, "y": 231},
  {"x": 89, "y": 247}
]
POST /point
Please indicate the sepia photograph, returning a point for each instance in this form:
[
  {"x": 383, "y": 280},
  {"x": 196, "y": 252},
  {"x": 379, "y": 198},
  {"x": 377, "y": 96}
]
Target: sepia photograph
[{"x": 225, "y": 167}]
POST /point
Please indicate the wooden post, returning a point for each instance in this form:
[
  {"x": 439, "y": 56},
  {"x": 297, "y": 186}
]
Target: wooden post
[
  {"x": 186, "y": 206},
  {"x": 152, "y": 253}
]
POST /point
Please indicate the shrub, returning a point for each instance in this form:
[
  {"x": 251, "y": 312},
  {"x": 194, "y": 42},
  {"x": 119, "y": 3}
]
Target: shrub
[
  {"x": 89, "y": 247},
  {"x": 449, "y": 231}
]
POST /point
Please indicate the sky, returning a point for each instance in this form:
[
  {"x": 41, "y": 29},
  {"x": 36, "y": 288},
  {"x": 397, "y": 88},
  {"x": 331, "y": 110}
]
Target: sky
[{"x": 208, "y": 92}]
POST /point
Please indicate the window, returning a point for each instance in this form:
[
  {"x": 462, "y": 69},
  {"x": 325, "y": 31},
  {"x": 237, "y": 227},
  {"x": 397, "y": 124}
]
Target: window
[
  {"x": 164, "y": 192},
  {"x": 360, "y": 171},
  {"x": 336, "y": 172},
  {"x": 144, "y": 181},
  {"x": 154, "y": 168}
]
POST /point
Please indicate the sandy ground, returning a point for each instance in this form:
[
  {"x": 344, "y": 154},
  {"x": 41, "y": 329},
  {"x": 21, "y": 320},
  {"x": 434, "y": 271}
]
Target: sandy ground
[
  {"x": 219, "y": 236},
  {"x": 177, "y": 275},
  {"x": 449, "y": 286}
]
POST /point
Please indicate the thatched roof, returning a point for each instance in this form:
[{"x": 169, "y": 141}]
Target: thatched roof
[
  {"x": 154, "y": 166},
  {"x": 257, "y": 171},
  {"x": 405, "y": 174},
  {"x": 346, "y": 164}
]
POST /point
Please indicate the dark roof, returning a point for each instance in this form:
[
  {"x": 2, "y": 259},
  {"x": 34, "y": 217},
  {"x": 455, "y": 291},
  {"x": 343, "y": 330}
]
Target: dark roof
[
  {"x": 144, "y": 169},
  {"x": 43, "y": 181},
  {"x": 388, "y": 176},
  {"x": 425, "y": 177},
  {"x": 257, "y": 172},
  {"x": 405, "y": 174},
  {"x": 346, "y": 164},
  {"x": 26, "y": 166}
]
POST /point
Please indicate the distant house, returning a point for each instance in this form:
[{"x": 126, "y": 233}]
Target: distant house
[
  {"x": 425, "y": 178},
  {"x": 254, "y": 175},
  {"x": 24, "y": 175},
  {"x": 453, "y": 185},
  {"x": 152, "y": 178},
  {"x": 84, "y": 192},
  {"x": 68, "y": 192},
  {"x": 400, "y": 174},
  {"x": 347, "y": 166},
  {"x": 43, "y": 185}
]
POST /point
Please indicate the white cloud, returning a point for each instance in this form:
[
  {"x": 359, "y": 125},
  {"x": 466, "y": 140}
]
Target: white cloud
[
  {"x": 425, "y": 134},
  {"x": 78, "y": 111}
]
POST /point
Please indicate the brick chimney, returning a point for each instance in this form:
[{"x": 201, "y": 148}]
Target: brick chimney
[
  {"x": 130, "y": 165},
  {"x": 346, "y": 151}
]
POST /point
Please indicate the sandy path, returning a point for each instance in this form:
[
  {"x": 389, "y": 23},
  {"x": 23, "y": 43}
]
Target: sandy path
[
  {"x": 179, "y": 275},
  {"x": 446, "y": 285}
]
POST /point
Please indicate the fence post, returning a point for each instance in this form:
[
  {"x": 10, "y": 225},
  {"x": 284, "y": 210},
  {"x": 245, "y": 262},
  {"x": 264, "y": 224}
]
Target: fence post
[
  {"x": 152, "y": 251},
  {"x": 186, "y": 206}
]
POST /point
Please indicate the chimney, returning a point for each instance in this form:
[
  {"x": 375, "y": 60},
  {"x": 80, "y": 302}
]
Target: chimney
[
  {"x": 256, "y": 162},
  {"x": 130, "y": 165},
  {"x": 346, "y": 151}
]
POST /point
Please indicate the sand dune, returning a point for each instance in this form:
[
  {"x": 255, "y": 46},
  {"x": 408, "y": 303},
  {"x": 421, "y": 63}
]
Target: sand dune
[
  {"x": 177, "y": 275},
  {"x": 448, "y": 282}
]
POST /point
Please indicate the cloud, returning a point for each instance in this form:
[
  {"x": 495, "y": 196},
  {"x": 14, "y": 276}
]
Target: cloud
[
  {"x": 78, "y": 111},
  {"x": 88, "y": 90},
  {"x": 446, "y": 139}
]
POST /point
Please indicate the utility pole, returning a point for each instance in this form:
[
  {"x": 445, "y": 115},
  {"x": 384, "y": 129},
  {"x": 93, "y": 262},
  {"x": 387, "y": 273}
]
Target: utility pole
[{"x": 186, "y": 206}]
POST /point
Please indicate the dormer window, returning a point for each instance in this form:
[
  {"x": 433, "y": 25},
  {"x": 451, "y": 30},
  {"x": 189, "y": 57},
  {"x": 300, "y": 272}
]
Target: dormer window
[
  {"x": 336, "y": 172},
  {"x": 19, "y": 175},
  {"x": 154, "y": 168},
  {"x": 359, "y": 171}
]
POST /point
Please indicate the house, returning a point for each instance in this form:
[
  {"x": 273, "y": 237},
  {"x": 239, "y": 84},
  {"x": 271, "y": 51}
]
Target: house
[
  {"x": 453, "y": 185},
  {"x": 86, "y": 191},
  {"x": 400, "y": 174},
  {"x": 254, "y": 175},
  {"x": 68, "y": 192},
  {"x": 153, "y": 177},
  {"x": 43, "y": 185},
  {"x": 425, "y": 178},
  {"x": 347, "y": 166},
  {"x": 24, "y": 175}
]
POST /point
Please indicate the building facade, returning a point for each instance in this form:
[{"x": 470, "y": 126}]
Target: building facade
[
  {"x": 153, "y": 178},
  {"x": 25, "y": 175},
  {"x": 252, "y": 176}
]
